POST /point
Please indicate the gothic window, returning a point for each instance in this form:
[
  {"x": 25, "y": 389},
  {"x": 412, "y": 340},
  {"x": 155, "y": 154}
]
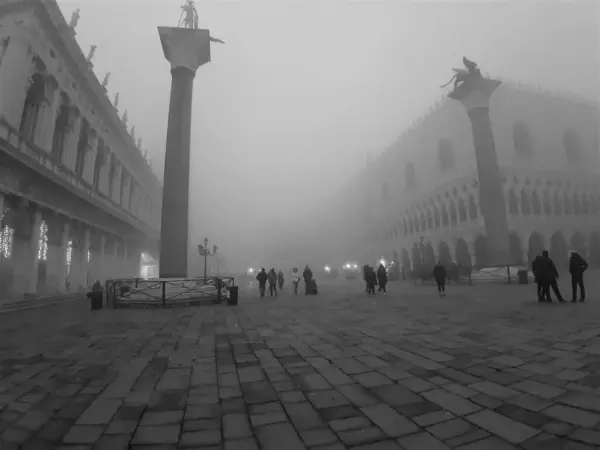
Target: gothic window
[
  {"x": 436, "y": 217},
  {"x": 536, "y": 205},
  {"x": 411, "y": 176},
  {"x": 585, "y": 204},
  {"x": 473, "y": 211},
  {"x": 82, "y": 146},
  {"x": 445, "y": 218},
  {"x": 522, "y": 139},
  {"x": 462, "y": 210},
  {"x": 453, "y": 215},
  {"x": 32, "y": 109},
  {"x": 99, "y": 163},
  {"x": 568, "y": 205},
  {"x": 43, "y": 242},
  {"x": 525, "y": 206},
  {"x": 124, "y": 180},
  {"x": 572, "y": 144},
  {"x": 61, "y": 132},
  {"x": 445, "y": 154},
  {"x": 546, "y": 203},
  {"x": 429, "y": 220},
  {"x": 513, "y": 203},
  {"x": 112, "y": 173},
  {"x": 410, "y": 226},
  {"x": 558, "y": 209},
  {"x": 423, "y": 222},
  {"x": 385, "y": 194},
  {"x": 404, "y": 226},
  {"x": 576, "y": 204}
]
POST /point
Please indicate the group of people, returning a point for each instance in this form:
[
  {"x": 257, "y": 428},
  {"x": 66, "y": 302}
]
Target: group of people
[
  {"x": 375, "y": 278},
  {"x": 276, "y": 279},
  {"x": 546, "y": 277}
]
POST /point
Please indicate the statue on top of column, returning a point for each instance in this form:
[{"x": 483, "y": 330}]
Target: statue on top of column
[
  {"x": 105, "y": 81},
  {"x": 462, "y": 75},
  {"x": 116, "y": 102},
  {"x": 74, "y": 19},
  {"x": 189, "y": 16}
]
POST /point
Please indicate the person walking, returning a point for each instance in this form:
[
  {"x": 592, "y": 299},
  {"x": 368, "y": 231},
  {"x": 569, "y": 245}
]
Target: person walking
[
  {"x": 295, "y": 279},
  {"x": 272, "y": 282},
  {"x": 262, "y": 278},
  {"x": 308, "y": 276},
  {"x": 577, "y": 266},
  {"x": 550, "y": 276},
  {"x": 382, "y": 278},
  {"x": 371, "y": 280},
  {"x": 280, "y": 280},
  {"x": 440, "y": 275},
  {"x": 536, "y": 267}
]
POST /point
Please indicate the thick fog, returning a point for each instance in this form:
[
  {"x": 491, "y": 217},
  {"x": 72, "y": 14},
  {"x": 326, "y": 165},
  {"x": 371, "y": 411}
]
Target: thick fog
[{"x": 284, "y": 115}]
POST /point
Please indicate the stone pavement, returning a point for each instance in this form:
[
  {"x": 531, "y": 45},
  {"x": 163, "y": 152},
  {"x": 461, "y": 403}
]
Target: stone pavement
[{"x": 484, "y": 368}]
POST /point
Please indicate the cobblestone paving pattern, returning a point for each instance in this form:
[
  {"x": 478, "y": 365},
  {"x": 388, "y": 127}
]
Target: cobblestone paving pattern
[{"x": 484, "y": 368}]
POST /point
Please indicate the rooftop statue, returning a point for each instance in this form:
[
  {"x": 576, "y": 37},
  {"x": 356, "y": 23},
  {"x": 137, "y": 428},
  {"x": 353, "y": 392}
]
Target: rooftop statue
[
  {"x": 133, "y": 133},
  {"x": 124, "y": 119},
  {"x": 189, "y": 19},
  {"x": 74, "y": 19},
  {"x": 116, "y": 102},
  {"x": 92, "y": 52},
  {"x": 462, "y": 75},
  {"x": 105, "y": 81}
]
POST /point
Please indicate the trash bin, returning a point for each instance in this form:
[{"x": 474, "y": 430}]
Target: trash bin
[
  {"x": 233, "y": 296},
  {"x": 95, "y": 300},
  {"x": 522, "y": 277}
]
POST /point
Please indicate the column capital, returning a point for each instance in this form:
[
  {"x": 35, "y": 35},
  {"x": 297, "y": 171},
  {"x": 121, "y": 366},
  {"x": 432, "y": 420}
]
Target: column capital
[
  {"x": 475, "y": 92},
  {"x": 185, "y": 47}
]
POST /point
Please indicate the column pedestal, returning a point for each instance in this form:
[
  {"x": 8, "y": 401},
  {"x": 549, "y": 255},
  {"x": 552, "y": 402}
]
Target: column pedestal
[
  {"x": 475, "y": 94},
  {"x": 186, "y": 50}
]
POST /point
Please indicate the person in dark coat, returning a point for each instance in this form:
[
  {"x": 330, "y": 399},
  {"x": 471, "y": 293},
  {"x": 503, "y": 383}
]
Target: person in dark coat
[
  {"x": 382, "y": 278},
  {"x": 535, "y": 268},
  {"x": 262, "y": 278},
  {"x": 577, "y": 266},
  {"x": 365, "y": 277},
  {"x": 308, "y": 276},
  {"x": 280, "y": 280},
  {"x": 549, "y": 276},
  {"x": 272, "y": 282},
  {"x": 371, "y": 280},
  {"x": 439, "y": 275}
]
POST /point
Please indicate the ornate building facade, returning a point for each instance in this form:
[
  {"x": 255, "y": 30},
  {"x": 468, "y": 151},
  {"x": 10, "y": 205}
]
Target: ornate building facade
[
  {"x": 418, "y": 202},
  {"x": 78, "y": 200}
]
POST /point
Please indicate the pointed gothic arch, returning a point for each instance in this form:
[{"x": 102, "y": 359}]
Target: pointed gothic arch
[
  {"x": 473, "y": 209},
  {"x": 525, "y": 204},
  {"x": 462, "y": 210}
]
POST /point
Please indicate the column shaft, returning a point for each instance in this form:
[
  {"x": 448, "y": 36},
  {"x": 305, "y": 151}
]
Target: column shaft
[{"x": 176, "y": 192}]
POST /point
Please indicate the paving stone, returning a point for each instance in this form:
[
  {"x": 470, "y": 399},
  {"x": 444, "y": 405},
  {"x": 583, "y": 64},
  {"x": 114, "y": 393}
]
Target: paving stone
[
  {"x": 558, "y": 428},
  {"x": 327, "y": 399},
  {"x": 538, "y": 389},
  {"x": 358, "y": 395},
  {"x": 303, "y": 416},
  {"x": 153, "y": 435},
  {"x": 432, "y": 418},
  {"x": 116, "y": 442},
  {"x": 122, "y": 427},
  {"x": 362, "y": 436},
  {"x": 351, "y": 366},
  {"x": 492, "y": 443},
  {"x": 474, "y": 435},
  {"x": 241, "y": 444},
  {"x": 268, "y": 418},
  {"x": 83, "y": 434},
  {"x": 313, "y": 438},
  {"x": 236, "y": 426},
  {"x": 416, "y": 384},
  {"x": 530, "y": 402},
  {"x": 382, "y": 445},
  {"x": 451, "y": 402},
  {"x": 392, "y": 423},
  {"x": 573, "y": 416},
  {"x": 502, "y": 426},
  {"x": 279, "y": 436},
  {"x": 351, "y": 423},
  {"x": 493, "y": 389},
  {"x": 396, "y": 395},
  {"x": 195, "y": 439},
  {"x": 421, "y": 441},
  {"x": 450, "y": 429},
  {"x": 371, "y": 379},
  {"x": 161, "y": 418}
]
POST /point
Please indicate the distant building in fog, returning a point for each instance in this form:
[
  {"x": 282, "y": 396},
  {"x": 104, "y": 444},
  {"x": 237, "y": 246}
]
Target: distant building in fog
[{"x": 419, "y": 200}]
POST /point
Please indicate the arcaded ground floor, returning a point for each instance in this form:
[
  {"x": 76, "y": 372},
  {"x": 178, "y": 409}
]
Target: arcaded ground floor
[{"x": 486, "y": 367}]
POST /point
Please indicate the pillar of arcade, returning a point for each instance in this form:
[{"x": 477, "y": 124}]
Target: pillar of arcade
[
  {"x": 474, "y": 92},
  {"x": 186, "y": 49}
]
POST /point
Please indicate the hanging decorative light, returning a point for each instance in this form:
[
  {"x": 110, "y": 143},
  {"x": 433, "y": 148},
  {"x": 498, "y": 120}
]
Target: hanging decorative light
[
  {"x": 43, "y": 242},
  {"x": 69, "y": 256},
  {"x": 6, "y": 241}
]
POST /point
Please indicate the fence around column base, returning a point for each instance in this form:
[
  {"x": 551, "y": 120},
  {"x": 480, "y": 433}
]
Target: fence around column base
[
  {"x": 167, "y": 292},
  {"x": 510, "y": 274}
]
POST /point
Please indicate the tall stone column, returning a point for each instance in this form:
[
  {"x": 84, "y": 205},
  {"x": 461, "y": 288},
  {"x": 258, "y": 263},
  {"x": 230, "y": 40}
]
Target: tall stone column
[
  {"x": 475, "y": 93},
  {"x": 101, "y": 275},
  {"x": 32, "y": 254},
  {"x": 186, "y": 50},
  {"x": 1, "y": 209}
]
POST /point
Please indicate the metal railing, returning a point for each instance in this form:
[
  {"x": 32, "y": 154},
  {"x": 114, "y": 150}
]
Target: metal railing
[{"x": 166, "y": 293}]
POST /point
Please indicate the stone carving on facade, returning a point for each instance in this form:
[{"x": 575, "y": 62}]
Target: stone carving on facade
[
  {"x": 462, "y": 75},
  {"x": 74, "y": 19},
  {"x": 105, "y": 81},
  {"x": 92, "y": 52}
]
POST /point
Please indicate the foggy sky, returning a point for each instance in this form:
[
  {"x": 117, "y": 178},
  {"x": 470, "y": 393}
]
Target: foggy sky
[{"x": 284, "y": 114}]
